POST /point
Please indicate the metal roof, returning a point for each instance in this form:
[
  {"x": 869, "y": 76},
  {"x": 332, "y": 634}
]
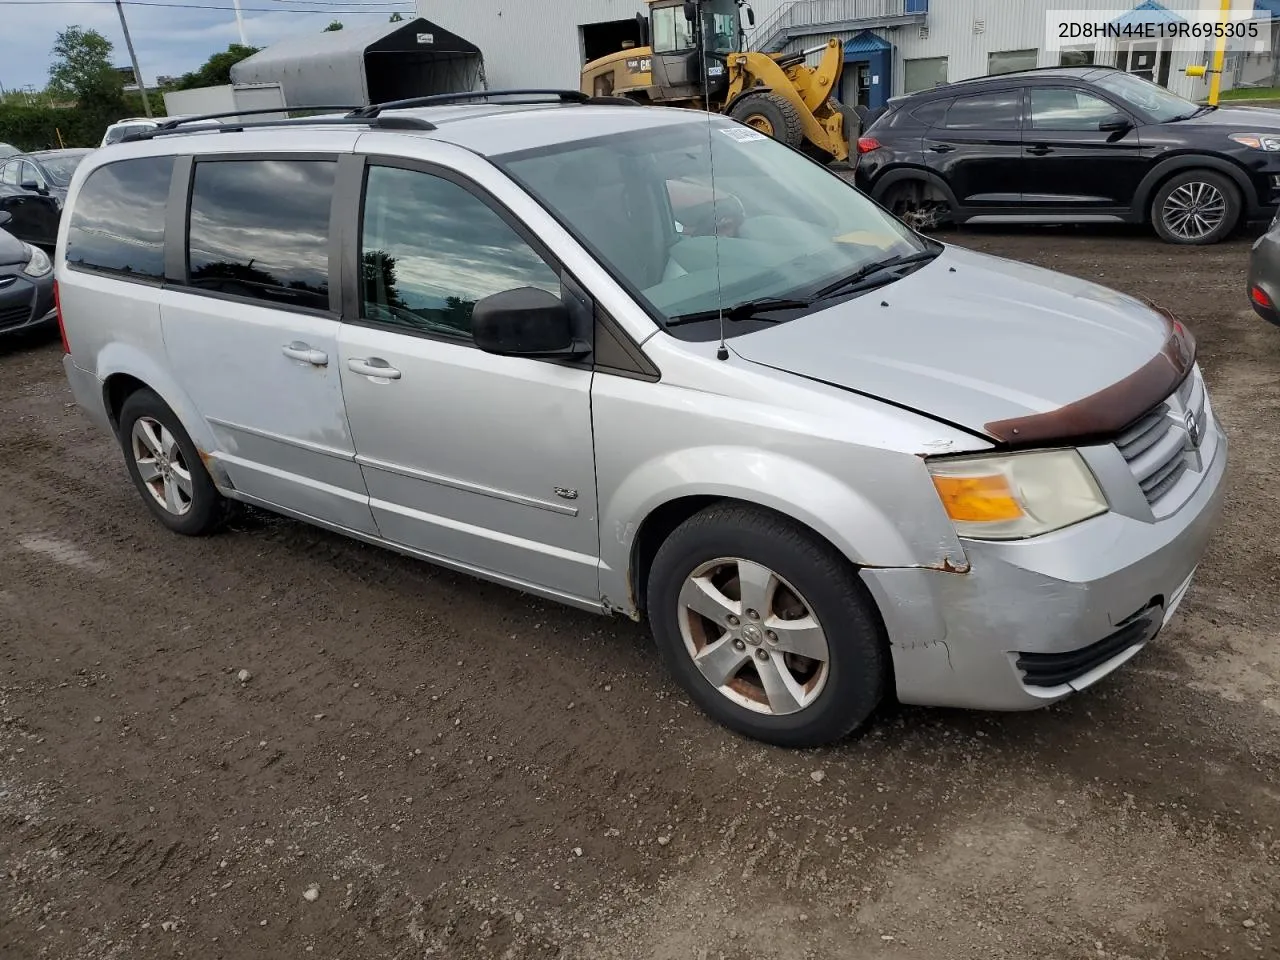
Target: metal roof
[{"x": 334, "y": 46}]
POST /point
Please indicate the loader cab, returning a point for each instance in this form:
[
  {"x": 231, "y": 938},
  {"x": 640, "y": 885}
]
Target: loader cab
[{"x": 690, "y": 39}]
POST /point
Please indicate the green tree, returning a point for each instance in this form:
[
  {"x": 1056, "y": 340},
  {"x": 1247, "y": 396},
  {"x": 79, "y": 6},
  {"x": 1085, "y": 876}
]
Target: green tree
[
  {"x": 81, "y": 67},
  {"x": 395, "y": 18},
  {"x": 333, "y": 25},
  {"x": 216, "y": 71}
]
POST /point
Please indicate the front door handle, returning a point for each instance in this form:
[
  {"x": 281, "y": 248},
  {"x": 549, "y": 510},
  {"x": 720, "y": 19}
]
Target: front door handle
[
  {"x": 942, "y": 148},
  {"x": 374, "y": 367},
  {"x": 1039, "y": 151},
  {"x": 305, "y": 353}
]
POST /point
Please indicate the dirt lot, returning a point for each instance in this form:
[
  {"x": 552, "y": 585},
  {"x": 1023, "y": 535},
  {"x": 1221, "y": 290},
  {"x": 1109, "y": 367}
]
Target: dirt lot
[{"x": 465, "y": 772}]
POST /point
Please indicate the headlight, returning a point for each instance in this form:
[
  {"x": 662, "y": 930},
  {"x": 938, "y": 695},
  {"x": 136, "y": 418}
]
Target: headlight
[
  {"x": 1258, "y": 141},
  {"x": 1017, "y": 496},
  {"x": 38, "y": 265}
]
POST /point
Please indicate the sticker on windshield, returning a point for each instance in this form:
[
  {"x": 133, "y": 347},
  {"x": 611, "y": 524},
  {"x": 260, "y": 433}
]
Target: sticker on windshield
[{"x": 743, "y": 134}]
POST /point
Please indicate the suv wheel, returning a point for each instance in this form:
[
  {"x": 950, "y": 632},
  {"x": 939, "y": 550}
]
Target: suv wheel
[
  {"x": 1196, "y": 207},
  {"x": 166, "y": 467},
  {"x": 772, "y": 115},
  {"x": 767, "y": 627}
]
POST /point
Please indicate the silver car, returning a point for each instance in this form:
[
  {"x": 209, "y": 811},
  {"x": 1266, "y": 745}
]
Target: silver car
[{"x": 649, "y": 362}]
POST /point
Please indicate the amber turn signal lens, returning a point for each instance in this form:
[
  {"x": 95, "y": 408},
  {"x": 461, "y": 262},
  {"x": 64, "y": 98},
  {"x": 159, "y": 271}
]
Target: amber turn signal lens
[{"x": 977, "y": 499}]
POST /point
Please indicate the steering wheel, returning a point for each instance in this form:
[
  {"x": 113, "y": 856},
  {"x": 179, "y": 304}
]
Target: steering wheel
[{"x": 724, "y": 218}]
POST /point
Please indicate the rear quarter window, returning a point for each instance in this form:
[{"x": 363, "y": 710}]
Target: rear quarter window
[{"x": 117, "y": 220}]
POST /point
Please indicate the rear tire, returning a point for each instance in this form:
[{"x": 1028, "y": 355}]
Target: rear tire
[
  {"x": 908, "y": 201},
  {"x": 1196, "y": 207},
  {"x": 771, "y": 114},
  {"x": 734, "y": 593},
  {"x": 166, "y": 467}
]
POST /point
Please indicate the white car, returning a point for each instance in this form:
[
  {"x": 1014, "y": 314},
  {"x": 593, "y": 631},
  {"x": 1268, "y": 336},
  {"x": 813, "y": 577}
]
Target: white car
[{"x": 123, "y": 128}]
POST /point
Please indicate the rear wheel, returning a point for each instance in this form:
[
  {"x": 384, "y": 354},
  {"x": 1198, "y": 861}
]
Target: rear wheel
[
  {"x": 767, "y": 627},
  {"x": 166, "y": 468},
  {"x": 1196, "y": 207},
  {"x": 916, "y": 204},
  {"x": 771, "y": 114}
]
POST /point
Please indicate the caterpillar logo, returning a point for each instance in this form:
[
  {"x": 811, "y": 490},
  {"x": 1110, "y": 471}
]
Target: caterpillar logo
[{"x": 640, "y": 65}]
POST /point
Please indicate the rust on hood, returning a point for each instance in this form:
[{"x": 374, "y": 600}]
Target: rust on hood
[{"x": 1110, "y": 410}]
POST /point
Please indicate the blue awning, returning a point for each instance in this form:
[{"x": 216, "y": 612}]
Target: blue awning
[
  {"x": 1149, "y": 11},
  {"x": 867, "y": 42}
]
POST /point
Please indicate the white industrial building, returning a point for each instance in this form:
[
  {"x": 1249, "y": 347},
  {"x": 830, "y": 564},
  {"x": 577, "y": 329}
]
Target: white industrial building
[{"x": 891, "y": 46}]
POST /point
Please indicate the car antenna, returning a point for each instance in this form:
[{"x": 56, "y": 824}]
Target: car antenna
[{"x": 699, "y": 38}]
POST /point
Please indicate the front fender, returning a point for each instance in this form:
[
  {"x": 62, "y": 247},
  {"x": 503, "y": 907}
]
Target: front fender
[
  {"x": 1191, "y": 161},
  {"x": 822, "y": 502}
]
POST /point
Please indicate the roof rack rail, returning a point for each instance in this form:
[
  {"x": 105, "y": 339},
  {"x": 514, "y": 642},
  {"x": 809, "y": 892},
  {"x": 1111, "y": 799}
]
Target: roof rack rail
[
  {"x": 379, "y": 123},
  {"x": 175, "y": 122},
  {"x": 526, "y": 95}
]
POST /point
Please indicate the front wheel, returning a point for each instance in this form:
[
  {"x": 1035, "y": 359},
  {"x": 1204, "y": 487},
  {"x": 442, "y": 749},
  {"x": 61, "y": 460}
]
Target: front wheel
[
  {"x": 767, "y": 627},
  {"x": 773, "y": 115},
  {"x": 1196, "y": 207}
]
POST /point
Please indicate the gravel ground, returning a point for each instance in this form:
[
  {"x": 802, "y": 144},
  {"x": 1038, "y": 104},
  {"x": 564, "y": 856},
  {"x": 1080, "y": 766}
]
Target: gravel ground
[{"x": 422, "y": 765}]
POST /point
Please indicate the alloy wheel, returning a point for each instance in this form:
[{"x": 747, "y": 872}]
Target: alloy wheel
[
  {"x": 753, "y": 636},
  {"x": 161, "y": 466},
  {"x": 1194, "y": 210}
]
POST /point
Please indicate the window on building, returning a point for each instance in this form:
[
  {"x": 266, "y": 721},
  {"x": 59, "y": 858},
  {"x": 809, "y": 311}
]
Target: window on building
[
  {"x": 430, "y": 249},
  {"x": 1053, "y": 109},
  {"x": 260, "y": 229},
  {"x": 117, "y": 224},
  {"x": 671, "y": 31},
  {"x": 1010, "y": 61},
  {"x": 1076, "y": 58},
  {"x": 923, "y": 74},
  {"x": 999, "y": 110}
]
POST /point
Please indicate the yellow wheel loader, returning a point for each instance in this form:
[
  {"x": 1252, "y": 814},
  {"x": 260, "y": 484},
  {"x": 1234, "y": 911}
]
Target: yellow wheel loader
[{"x": 691, "y": 55}]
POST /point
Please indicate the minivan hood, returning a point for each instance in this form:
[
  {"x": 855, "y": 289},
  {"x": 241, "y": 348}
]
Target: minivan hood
[{"x": 977, "y": 341}]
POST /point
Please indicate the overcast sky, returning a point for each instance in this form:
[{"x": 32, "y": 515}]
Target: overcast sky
[{"x": 169, "y": 41}]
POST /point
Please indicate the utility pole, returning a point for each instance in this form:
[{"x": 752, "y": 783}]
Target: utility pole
[
  {"x": 244, "y": 42},
  {"x": 137, "y": 73},
  {"x": 1219, "y": 55}
]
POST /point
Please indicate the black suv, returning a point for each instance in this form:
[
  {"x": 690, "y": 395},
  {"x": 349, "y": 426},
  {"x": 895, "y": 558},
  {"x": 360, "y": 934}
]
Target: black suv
[{"x": 1073, "y": 145}]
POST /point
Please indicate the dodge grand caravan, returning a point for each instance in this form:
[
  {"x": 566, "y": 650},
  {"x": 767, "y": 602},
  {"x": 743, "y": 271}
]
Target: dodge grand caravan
[{"x": 649, "y": 362}]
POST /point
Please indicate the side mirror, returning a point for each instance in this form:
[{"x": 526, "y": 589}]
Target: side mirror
[
  {"x": 31, "y": 185},
  {"x": 5, "y": 217},
  {"x": 525, "y": 322},
  {"x": 690, "y": 10},
  {"x": 751, "y": 15},
  {"x": 1116, "y": 123}
]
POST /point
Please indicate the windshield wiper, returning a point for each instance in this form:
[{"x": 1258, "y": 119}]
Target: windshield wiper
[
  {"x": 870, "y": 275},
  {"x": 747, "y": 310},
  {"x": 1197, "y": 112}
]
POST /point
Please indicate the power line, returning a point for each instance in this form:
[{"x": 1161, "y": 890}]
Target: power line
[{"x": 390, "y": 7}]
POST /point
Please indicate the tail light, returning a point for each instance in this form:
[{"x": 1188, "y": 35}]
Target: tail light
[
  {"x": 62, "y": 327},
  {"x": 867, "y": 144},
  {"x": 1259, "y": 297}
]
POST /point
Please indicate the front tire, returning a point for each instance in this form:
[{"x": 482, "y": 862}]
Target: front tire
[
  {"x": 1195, "y": 208},
  {"x": 767, "y": 627},
  {"x": 166, "y": 467},
  {"x": 772, "y": 115}
]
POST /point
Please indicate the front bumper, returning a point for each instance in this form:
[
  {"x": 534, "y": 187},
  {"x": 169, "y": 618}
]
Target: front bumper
[
  {"x": 25, "y": 302},
  {"x": 1033, "y": 621}
]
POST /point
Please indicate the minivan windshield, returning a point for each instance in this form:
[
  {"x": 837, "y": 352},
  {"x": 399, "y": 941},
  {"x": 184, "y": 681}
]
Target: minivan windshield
[
  {"x": 764, "y": 223},
  {"x": 1152, "y": 99}
]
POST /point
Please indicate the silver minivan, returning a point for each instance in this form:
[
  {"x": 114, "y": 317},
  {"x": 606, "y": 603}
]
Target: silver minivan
[{"x": 649, "y": 362}]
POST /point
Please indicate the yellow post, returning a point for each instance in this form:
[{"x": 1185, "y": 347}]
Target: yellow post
[
  {"x": 60, "y": 142},
  {"x": 1219, "y": 55}
]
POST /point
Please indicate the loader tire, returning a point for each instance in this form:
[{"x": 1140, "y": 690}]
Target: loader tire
[{"x": 770, "y": 114}]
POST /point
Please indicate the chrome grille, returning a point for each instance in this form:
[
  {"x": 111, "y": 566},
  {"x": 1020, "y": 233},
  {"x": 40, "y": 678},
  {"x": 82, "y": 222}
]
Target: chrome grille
[{"x": 1157, "y": 445}]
